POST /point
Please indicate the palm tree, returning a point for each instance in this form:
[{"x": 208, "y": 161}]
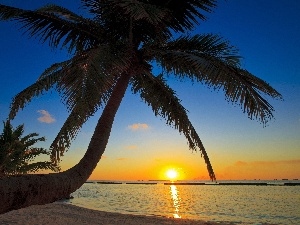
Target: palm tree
[
  {"x": 17, "y": 153},
  {"x": 116, "y": 47}
]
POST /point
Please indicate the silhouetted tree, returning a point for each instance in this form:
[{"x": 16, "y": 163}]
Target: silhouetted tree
[
  {"x": 115, "y": 47},
  {"x": 17, "y": 154}
]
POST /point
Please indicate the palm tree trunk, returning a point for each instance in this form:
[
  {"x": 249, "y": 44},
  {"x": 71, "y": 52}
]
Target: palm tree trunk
[{"x": 36, "y": 189}]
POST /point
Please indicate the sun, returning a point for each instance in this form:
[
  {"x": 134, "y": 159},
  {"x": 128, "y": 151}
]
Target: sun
[{"x": 171, "y": 174}]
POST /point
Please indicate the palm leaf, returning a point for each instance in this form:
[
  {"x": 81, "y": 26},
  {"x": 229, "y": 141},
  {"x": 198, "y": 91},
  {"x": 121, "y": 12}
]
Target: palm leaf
[
  {"x": 150, "y": 18},
  {"x": 30, "y": 153},
  {"x": 56, "y": 25},
  {"x": 92, "y": 73},
  {"x": 84, "y": 84},
  {"x": 212, "y": 61},
  {"x": 29, "y": 140},
  {"x": 16, "y": 152},
  {"x": 130, "y": 18},
  {"x": 134, "y": 9},
  {"x": 36, "y": 166},
  {"x": 47, "y": 80},
  {"x": 68, "y": 132},
  {"x": 156, "y": 93},
  {"x": 185, "y": 14},
  {"x": 85, "y": 87},
  {"x": 137, "y": 10}
]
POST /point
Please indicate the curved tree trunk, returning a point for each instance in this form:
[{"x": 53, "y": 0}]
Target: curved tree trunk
[{"x": 36, "y": 189}]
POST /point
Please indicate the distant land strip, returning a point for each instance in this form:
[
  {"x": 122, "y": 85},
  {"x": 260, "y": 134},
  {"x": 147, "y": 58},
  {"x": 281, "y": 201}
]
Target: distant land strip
[{"x": 201, "y": 183}]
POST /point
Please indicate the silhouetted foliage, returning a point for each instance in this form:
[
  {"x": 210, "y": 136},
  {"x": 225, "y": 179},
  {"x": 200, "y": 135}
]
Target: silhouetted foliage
[
  {"x": 124, "y": 38},
  {"x": 17, "y": 154}
]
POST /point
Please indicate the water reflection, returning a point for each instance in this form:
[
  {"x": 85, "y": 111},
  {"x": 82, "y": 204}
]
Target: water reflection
[
  {"x": 236, "y": 204},
  {"x": 176, "y": 200}
]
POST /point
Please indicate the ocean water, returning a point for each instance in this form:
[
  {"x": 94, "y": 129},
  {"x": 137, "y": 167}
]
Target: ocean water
[{"x": 247, "y": 204}]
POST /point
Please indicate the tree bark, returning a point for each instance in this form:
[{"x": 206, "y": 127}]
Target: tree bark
[{"x": 36, "y": 189}]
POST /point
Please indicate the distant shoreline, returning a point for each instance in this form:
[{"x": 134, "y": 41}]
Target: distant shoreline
[{"x": 283, "y": 182}]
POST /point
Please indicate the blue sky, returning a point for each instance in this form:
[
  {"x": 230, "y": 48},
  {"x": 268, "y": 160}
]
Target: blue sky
[{"x": 266, "y": 32}]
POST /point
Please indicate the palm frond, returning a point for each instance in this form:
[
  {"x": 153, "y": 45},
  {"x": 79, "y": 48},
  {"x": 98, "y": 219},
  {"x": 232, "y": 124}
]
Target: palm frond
[
  {"x": 31, "y": 153},
  {"x": 85, "y": 87},
  {"x": 68, "y": 132},
  {"x": 34, "y": 167},
  {"x": 16, "y": 152},
  {"x": 84, "y": 84},
  {"x": 137, "y": 10},
  {"x": 185, "y": 14},
  {"x": 151, "y": 18},
  {"x": 209, "y": 60},
  {"x": 147, "y": 20},
  {"x": 57, "y": 25},
  {"x": 61, "y": 11},
  {"x": 30, "y": 139},
  {"x": 125, "y": 18},
  {"x": 134, "y": 9},
  {"x": 47, "y": 80},
  {"x": 164, "y": 102},
  {"x": 193, "y": 47},
  {"x": 92, "y": 73}
]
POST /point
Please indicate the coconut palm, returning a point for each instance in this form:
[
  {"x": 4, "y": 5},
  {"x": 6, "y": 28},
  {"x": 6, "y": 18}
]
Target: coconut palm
[
  {"x": 116, "y": 47},
  {"x": 17, "y": 154}
]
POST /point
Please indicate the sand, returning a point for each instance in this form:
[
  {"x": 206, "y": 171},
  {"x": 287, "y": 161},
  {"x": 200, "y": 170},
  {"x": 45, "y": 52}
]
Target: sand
[{"x": 66, "y": 214}]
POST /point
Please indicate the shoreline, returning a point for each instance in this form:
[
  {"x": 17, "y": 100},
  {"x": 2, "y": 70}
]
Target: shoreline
[{"x": 60, "y": 213}]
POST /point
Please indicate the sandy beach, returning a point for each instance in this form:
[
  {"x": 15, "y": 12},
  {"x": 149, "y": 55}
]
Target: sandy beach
[{"x": 66, "y": 214}]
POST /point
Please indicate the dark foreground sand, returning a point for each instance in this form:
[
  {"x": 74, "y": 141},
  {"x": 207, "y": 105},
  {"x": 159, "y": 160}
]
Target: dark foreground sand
[{"x": 66, "y": 214}]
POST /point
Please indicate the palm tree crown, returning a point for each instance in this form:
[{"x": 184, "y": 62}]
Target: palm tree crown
[{"x": 124, "y": 38}]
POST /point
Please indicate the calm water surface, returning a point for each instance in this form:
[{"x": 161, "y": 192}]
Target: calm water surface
[{"x": 237, "y": 204}]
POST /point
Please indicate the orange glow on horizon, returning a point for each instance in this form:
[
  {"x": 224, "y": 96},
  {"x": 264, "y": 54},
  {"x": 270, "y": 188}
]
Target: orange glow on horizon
[{"x": 188, "y": 168}]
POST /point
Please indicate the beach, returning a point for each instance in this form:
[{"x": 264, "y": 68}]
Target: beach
[{"x": 64, "y": 214}]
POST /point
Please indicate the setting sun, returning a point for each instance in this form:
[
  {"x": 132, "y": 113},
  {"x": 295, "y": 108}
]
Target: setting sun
[{"x": 171, "y": 174}]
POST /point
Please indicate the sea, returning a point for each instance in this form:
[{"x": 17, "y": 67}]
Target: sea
[{"x": 237, "y": 202}]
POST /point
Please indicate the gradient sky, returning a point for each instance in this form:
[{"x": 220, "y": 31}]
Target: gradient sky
[{"x": 141, "y": 146}]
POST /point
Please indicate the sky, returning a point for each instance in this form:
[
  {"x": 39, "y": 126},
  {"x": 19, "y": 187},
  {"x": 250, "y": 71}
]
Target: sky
[{"x": 142, "y": 146}]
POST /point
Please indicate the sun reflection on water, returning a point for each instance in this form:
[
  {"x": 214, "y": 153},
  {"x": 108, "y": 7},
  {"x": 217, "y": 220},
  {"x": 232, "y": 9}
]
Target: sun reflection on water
[
  {"x": 235, "y": 204},
  {"x": 176, "y": 200}
]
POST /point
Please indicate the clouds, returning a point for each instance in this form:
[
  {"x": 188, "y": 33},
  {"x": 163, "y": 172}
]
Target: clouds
[
  {"x": 138, "y": 126},
  {"x": 131, "y": 147},
  {"x": 45, "y": 117},
  {"x": 121, "y": 159}
]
